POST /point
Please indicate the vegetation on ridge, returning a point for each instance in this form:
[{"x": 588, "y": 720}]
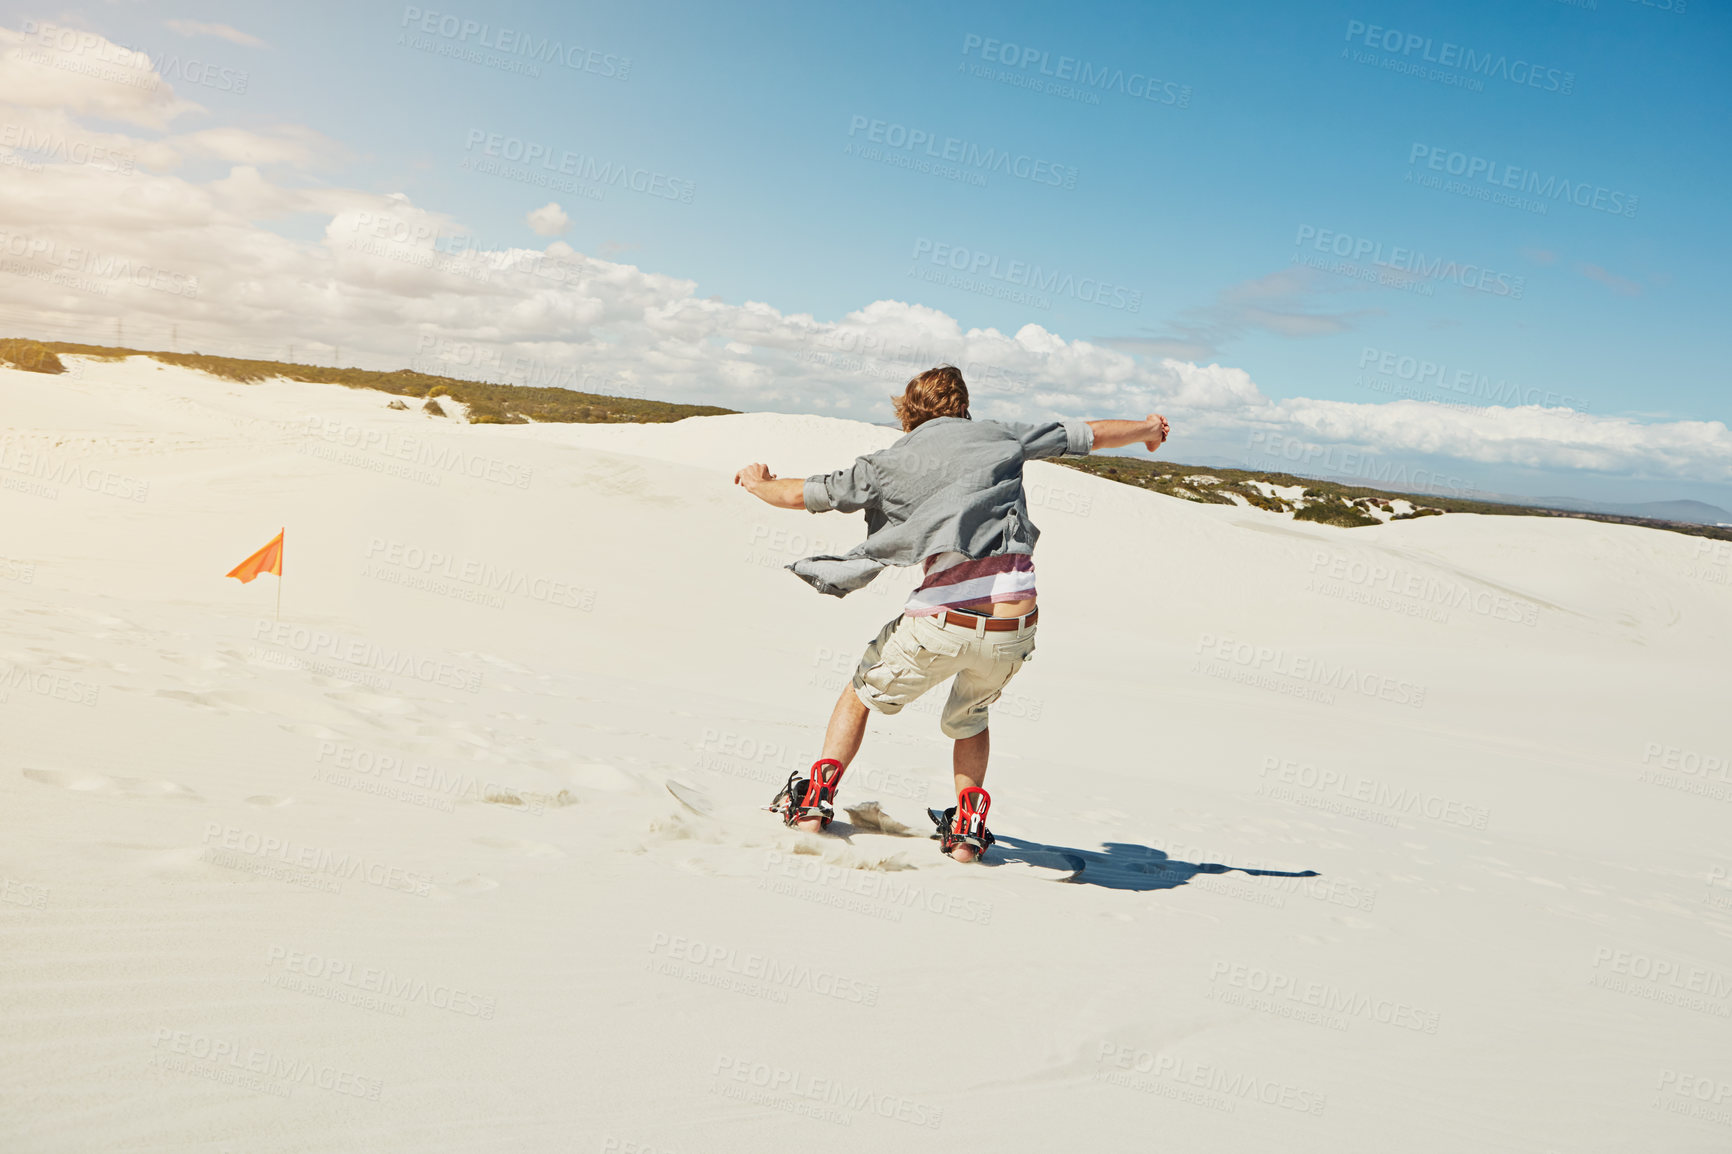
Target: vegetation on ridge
[{"x": 487, "y": 404}]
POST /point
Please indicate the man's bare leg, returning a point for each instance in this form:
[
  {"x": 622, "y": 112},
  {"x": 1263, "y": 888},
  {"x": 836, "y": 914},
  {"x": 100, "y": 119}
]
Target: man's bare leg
[
  {"x": 968, "y": 766},
  {"x": 842, "y": 739}
]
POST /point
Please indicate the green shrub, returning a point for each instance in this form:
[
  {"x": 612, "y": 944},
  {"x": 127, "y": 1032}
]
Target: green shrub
[{"x": 1335, "y": 512}]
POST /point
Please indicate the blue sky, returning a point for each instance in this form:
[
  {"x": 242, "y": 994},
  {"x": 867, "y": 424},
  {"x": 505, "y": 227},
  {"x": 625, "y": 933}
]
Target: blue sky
[{"x": 1273, "y": 124}]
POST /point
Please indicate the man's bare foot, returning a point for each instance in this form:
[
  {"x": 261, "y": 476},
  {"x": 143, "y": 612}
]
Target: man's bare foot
[
  {"x": 809, "y": 825},
  {"x": 964, "y": 854}
]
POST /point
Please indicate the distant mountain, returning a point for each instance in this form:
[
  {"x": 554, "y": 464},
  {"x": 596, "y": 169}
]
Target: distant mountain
[
  {"x": 1694, "y": 512},
  {"x": 1687, "y": 511}
]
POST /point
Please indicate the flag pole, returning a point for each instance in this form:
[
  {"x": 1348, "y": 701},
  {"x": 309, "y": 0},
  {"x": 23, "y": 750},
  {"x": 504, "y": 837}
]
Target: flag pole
[{"x": 280, "y": 548}]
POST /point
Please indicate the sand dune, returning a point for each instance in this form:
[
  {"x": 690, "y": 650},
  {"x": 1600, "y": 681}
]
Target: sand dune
[{"x": 1401, "y": 838}]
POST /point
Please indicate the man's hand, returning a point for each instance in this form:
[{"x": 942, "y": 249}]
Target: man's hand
[
  {"x": 784, "y": 493},
  {"x": 1160, "y": 429},
  {"x": 753, "y": 475},
  {"x": 1113, "y": 434}
]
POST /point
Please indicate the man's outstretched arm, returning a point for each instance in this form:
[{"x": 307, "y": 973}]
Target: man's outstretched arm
[
  {"x": 1118, "y": 434},
  {"x": 783, "y": 492}
]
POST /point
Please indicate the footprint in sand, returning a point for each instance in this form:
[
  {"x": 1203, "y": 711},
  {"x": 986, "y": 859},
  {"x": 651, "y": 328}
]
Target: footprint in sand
[
  {"x": 112, "y": 786},
  {"x": 268, "y": 801},
  {"x": 473, "y": 885}
]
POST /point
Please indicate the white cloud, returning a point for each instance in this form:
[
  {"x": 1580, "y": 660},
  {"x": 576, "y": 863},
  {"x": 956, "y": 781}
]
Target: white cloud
[
  {"x": 79, "y": 73},
  {"x": 287, "y": 144},
  {"x": 220, "y": 31},
  {"x": 548, "y": 220},
  {"x": 85, "y": 245}
]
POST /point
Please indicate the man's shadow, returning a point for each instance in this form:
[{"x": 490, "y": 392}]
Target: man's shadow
[{"x": 1116, "y": 865}]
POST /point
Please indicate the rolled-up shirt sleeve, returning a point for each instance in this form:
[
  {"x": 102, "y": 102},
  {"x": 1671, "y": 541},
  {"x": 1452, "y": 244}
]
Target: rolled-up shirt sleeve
[
  {"x": 846, "y": 490},
  {"x": 1056, "y": 439}
]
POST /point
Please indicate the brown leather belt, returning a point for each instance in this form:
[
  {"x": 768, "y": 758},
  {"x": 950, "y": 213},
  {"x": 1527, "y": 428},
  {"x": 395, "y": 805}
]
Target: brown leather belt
[{"x": 993, "y": 624}]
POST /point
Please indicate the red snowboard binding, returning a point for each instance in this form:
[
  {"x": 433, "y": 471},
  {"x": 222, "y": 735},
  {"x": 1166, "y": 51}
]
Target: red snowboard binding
[
  {"x": 964, "y": 824},
  {"x": 804, "y": 798}
]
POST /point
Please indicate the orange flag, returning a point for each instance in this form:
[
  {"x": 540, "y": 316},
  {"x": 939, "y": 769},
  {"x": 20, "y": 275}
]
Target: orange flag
[{"x": 266, "y": 560}]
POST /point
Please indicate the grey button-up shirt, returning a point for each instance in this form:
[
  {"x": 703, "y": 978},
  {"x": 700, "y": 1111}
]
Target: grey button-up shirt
[{"x": 951, "y": 484}]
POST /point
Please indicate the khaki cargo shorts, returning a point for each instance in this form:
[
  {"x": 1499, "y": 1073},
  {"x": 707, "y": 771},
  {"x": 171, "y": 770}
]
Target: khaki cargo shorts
[{"x": 913, "y": 654}]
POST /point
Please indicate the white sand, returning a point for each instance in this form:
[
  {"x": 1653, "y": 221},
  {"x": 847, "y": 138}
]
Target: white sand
[{"x": 256, "y": 897}]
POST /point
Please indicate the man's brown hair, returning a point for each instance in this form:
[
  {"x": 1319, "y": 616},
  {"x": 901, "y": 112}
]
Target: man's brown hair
[{"x": 937, "y": 392}]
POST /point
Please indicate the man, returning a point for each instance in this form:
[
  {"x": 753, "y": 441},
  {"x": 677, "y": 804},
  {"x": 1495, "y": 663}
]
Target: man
[{"x": 948, "y": 496}]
